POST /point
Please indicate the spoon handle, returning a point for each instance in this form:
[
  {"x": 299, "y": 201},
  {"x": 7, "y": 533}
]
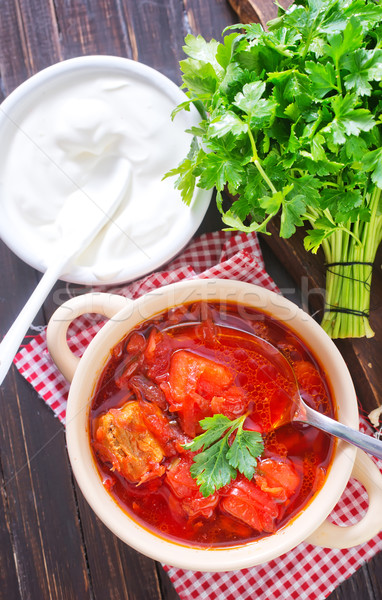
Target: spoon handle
[
  {"x": 16, "y": 333},
  {"x": 93, "y": 208},
  {"x": 361, "y": 440}
]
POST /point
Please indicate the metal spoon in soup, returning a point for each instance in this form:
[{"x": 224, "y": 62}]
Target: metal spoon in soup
[{"x": 292, "y": 408}]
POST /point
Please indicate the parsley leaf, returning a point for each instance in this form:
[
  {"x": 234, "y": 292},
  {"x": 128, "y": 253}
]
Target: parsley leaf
[
  {"x": 315, "y": 237},
  {"x": 291, "y": 214},
  {"x": 340, "y": 44},
  {"x": 372, "y": 161},
  {"x": 211, "y": 468},
  {"x": 244, "y": 451},
  {"x": 215, "y": 427},
  {"x": 200, "y": 77},
  {"x": 185, "y": 170},
  {"x": 219, "y": 169},
  {"x": 348, "y": 120},
  {"x": 363, "y": 66},
  {"x": 218, "y": 462},
  {"x": 323, "y": 78},
  {"x": 228, "y": 122},
  {"x": 248, "y": 99}
]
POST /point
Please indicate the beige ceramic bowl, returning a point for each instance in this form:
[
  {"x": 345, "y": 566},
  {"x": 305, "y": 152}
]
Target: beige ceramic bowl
[{"x": 311, "y": 524}]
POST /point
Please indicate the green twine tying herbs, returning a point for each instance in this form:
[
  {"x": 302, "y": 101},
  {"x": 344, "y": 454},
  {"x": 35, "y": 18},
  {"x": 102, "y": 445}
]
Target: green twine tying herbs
[{"x": 291, "y": 125}]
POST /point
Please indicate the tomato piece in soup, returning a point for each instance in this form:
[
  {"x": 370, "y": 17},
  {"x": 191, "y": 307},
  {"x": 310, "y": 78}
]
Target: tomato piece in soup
[
  {"x": 232, "y": 404},
  {"x": 309, "y": 379},
  {"x": 186, "y": 372},
  {"x": 186, "y": 490},
  {"x": 168, "y": 434},
  {"x": 200, "y": 387},
  {"x": 189, "y": 370},
  {"x": 277, "y": 478},
  {"x": 248, "y": 503},
  {"x": 157, "y": 355}
]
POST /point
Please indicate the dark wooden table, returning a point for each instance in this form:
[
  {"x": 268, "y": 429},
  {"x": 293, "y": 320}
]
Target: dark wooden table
[{"x": 52, "y": 547}]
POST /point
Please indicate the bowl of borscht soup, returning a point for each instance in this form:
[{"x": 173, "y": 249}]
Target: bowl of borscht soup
[{"x": 174, "y": 433}]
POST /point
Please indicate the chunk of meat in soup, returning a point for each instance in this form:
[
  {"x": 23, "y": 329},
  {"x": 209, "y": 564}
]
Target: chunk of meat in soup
[{"x": 123, "y": 440}]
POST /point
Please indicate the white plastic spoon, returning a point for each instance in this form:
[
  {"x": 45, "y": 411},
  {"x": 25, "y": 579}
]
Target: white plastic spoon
[{"x": 83, "y": 215}]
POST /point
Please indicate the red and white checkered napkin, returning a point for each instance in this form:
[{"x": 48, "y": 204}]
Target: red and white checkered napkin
[{"x": 305, "y": 573}]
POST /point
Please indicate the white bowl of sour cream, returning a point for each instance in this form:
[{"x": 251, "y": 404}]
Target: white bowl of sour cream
[{"x": 57, "y": 128}]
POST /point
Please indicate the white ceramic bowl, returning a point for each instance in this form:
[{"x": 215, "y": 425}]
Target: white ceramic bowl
[
  {"x": 311, "y": 524},
  {"x": 23, "y": 232}
]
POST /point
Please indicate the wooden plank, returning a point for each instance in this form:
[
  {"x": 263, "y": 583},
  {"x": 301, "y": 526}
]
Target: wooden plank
[
  {"x": 374, "y": 569},
  {"x": 92, "y": 28},
  {"x": 167, "y": 588},
  {"x": 9, "y": 584},
  {"x": 40, "y": 504},
  {"x": 39, "y": 37},
  {"x": 257, "y": 11},
  {"x": 41, "y": 510},
  {"x": 38, "y": 499},
  {"x": 359, "y": 586},
  {"x": 129, "y": 573},
  {"x": 208, "y": 18},
  {"x": 13, "y": 66},
  {"x": 156, "y": 31},
  {"x": 37, "y": 493}
]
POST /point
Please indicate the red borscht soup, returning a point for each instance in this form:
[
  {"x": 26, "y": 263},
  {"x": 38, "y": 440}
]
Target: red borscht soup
[{"x": 169, "y": 375}]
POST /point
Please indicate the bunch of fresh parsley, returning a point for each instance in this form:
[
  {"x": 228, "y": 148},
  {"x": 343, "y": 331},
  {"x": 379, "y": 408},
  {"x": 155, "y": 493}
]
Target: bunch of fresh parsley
[{"x": 291, "y": 125}]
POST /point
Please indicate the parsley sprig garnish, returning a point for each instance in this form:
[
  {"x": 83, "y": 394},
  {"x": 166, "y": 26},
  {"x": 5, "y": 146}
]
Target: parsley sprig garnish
[
  {"x": 220, "y": 458},
  {"x": 292, "y": 126}
]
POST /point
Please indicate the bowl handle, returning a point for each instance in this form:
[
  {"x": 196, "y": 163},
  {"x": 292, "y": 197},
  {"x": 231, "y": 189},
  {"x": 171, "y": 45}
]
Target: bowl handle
[
  {"x": 56, "y": 334},
  {"x": 329, "y": 535}
]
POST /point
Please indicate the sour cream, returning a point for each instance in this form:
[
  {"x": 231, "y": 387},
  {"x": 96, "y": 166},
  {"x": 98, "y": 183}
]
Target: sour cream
[{"x": 67, "y": 130}]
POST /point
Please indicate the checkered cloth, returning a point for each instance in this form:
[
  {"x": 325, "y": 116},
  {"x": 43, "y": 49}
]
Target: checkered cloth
[{"x": 305, "y": 573}]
